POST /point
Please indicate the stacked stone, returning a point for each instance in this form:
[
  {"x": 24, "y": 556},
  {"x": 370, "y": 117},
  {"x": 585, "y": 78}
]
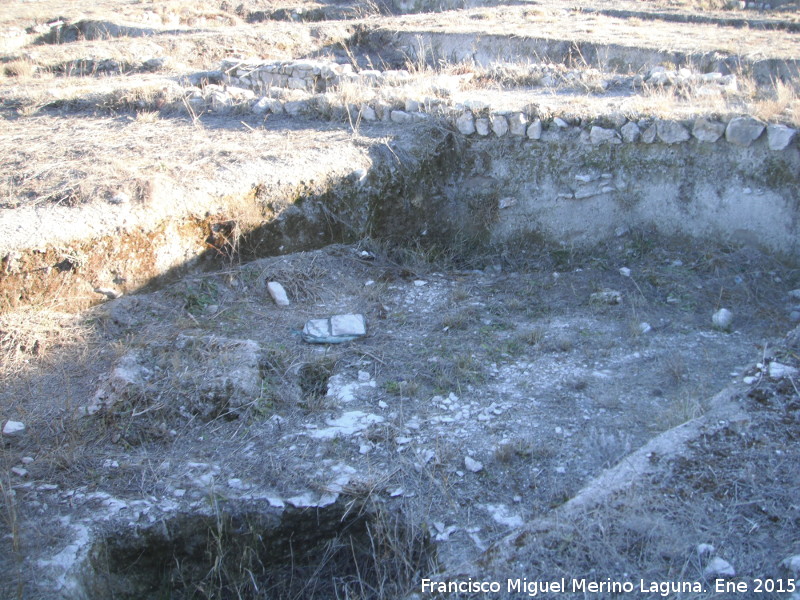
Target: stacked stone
[
  {"x": 309, "y": 87},
  {"x": 740, "y": 131},
  {"x": 310, "y": 76}
]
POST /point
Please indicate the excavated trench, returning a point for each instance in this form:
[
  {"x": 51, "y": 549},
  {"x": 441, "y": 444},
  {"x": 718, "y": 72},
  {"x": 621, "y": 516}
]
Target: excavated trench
[
  {"x": 255, "y": 551},
  {"x": 499, "y": 196}
]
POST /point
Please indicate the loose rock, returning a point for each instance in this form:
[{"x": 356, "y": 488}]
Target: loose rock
[
  {"x": 722, "y": 319},
  {"x": 472, "y": 465},
  {"x": 606, "y": 297},
  {"x": 719, "y": 567},
  {"x": 335, "y": 330},
  {"x": 278, "y": 293},
  {"x": 12, "y": 428},
  {"x": 792, "y": 564},
  {"x": 779, "y": 370}
]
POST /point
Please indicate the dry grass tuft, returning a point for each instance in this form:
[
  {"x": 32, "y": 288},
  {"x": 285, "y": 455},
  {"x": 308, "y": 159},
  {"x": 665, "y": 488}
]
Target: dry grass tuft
[
  {"x": 20, "y": 68},
  {"x": 29, "y": 333}
]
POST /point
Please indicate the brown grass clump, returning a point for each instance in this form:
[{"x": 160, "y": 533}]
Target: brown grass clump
[
  {"x": 19, "y": 68},
  {"x": 29, "y": 333}
]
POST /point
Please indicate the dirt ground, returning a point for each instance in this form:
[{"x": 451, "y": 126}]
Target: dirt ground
[
  {"x": 507, "y": 362},
  {"x": 522, "y": 411}
]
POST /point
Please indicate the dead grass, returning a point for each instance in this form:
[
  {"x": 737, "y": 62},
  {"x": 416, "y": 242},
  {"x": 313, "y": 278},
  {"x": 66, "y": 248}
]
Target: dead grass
[{"x": 28, "y": 334}]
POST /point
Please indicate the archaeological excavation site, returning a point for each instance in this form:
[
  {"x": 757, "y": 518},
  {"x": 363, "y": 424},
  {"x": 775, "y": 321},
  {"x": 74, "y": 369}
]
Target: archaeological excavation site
[{"x": 399, "y": 299}]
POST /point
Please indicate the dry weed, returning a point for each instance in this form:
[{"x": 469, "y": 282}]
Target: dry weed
[{"x": 28, "y": 333}]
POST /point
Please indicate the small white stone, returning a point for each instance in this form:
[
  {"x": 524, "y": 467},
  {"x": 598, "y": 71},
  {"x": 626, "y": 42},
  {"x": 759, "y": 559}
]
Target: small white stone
[
  {"x": 722, "y": 319},
  {"x": 625, "y": 272},
  {"x": 472, "y": 464},
  {"x": 19, "y": 471},
  {"x": 606, "y": 297},
  {"x": 482, "y": 126},
  {"x": 792, "y": 563},
  {"x": 363, "y": 376},
  {"x": 645, "y": 327},
  {"x": 705, "y": 550},
  {"x": 109, "y": 293},
  {"x": 12, "y": 428},
  {"x": 749, "y": 380},
  {"x": 278, "y": 294},
  {"x": 420, "y": 282},
  {"x": 779, "y": 370},
  {"x": 120, "y": 198},
  {"x": 506, "y": 203},
  {"x": 719, "y": 567},
  {"x": 110, "y": 464},
  {"x": 26, "y": 460}
]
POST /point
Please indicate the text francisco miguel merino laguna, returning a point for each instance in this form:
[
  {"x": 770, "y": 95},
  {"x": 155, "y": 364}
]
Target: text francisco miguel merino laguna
[{"x": 560, "y": 586}]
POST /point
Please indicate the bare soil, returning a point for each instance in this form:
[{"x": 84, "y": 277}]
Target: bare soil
[
  {"x": 490, "y": 390},
  {"x": 512, "y": 365}
]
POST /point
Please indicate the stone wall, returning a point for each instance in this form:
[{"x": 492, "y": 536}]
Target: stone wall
[
  {"x": 310, "y": 76},
  {"x": 574, "y": 180}
]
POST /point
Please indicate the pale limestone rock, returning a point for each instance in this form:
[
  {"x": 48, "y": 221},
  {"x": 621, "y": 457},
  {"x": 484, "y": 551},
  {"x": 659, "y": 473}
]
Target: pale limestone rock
[
  {"x": 482, "y": 126},
  {"x": 499, "y": 125},
  {"x": 722, "y": 319},
  {"x": 400, "y": 116},
  {"x": 671, "y": 132},
  {"x": 535, "y": 130},
  {"x": 12, "y": 428},
  {"x": 649, "y": 134},
  {"x": 296, "y": 107},
  {"x": 517, "y": 124},
  {"x": 779, "y": 136},
  {"x": 719, "y": 568},
  {"x": 465, "y": 123},
  {"x": 707, "y": 131},
  {"x": 336, "y": 329},
  {"x": 630, "y": 132},
  {"x": 278, "y": 294},
  {"x": 413, "y": 105},
  {"x": 743, "y": 131},
  {"x": 472, "y": 464},
  {"x": 600, "y": 135},
  {"x": 368, "y": 113}
]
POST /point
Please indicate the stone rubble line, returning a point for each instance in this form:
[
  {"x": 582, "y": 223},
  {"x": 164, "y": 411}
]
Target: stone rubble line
[{"x": 311, "y": 80}]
